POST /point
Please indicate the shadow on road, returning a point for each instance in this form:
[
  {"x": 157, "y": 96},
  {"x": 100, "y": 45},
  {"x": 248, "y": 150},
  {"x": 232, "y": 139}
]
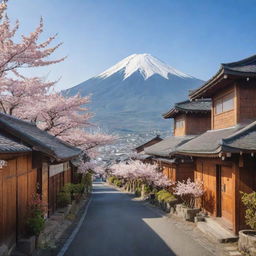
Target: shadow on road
[{"x": 114, "y": 226}]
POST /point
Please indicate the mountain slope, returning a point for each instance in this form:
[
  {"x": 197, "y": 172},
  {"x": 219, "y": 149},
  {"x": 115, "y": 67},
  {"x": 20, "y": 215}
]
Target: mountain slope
[{"x": 134, "y": 93}]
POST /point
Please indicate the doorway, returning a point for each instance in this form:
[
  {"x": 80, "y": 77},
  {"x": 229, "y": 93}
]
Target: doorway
[{"x": 224, "y": 191}]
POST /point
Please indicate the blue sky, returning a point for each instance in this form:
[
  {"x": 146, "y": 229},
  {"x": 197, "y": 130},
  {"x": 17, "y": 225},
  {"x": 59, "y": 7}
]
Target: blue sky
[{"x": 194, "y": 36}]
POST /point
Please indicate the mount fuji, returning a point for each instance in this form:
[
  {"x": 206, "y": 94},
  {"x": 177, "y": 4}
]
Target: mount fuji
[{"x": 131, "y": 95}]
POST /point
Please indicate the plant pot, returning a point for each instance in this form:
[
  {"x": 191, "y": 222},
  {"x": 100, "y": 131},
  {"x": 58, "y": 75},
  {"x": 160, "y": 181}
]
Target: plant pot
[
  {"x": 186, "y": 213},
  {"x": 190, "y": 214},
  {"x": 247, "y": 241},
  {"x": 180, "y": 210}
]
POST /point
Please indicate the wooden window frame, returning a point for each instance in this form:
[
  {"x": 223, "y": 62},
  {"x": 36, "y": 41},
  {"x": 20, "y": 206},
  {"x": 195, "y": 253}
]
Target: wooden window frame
[
  {"x": 179, "y": 121},
  {"x": 230, "y": 95}
]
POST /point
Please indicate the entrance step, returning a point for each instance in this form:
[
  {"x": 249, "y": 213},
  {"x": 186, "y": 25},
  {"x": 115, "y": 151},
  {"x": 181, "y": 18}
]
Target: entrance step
[{"x": 216, "y": 231}]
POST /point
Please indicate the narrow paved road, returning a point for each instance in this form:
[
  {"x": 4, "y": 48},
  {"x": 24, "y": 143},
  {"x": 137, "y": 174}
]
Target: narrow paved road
[{"x": 117, "y": 225}]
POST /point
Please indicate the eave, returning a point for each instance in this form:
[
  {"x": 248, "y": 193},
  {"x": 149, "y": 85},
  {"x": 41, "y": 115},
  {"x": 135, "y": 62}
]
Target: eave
[
  {"x": 224, "y": 76},
  {"x": 176, "y": 111}
]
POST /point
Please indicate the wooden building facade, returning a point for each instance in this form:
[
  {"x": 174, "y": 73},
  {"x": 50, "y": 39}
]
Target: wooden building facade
[
  {"x": 17, "y": 184},
  {"x": 26, "y": 156},
  {"x": 224, "y": 156},
  {"x": 190, "y": 119}
]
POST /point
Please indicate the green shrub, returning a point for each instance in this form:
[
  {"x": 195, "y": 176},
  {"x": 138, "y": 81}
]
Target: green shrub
[
  {"x": 118, "y": 183},
  {"x": 138, "y": 191},
  {"x": 249, "y": 201},
  {"x": 111, "y": 179},
  {"x": 36, "y": 211},
  {"x": 35, "y": 225},
  {"x": 74, "y": 190},
  {"x": 78, "y": 188},
  {"x": 164, "y": 195},
  {"x": 147, "y": 189},
  {"x": 87, "y": 181},
  {"x": 63, "y": 199}
]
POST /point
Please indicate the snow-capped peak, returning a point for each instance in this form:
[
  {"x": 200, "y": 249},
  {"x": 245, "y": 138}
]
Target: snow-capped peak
[{"x": 146, "y": 64}]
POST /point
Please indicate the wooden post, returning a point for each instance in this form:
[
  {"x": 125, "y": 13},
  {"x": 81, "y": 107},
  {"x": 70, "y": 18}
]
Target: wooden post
[{"x": 236, "y": 196}]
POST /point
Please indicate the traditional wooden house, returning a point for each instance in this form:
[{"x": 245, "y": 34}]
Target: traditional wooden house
[
  {"x": 31, "y": 161},
  {"x": 190, "y": 119},
  {"x": 224, "y": 156}
]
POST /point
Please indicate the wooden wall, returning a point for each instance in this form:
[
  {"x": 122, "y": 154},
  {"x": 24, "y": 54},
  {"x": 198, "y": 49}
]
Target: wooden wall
[
  {"x": 242, "y": 177},
  {"x": 246, "y": 92},
  {"x": 178, "y": 171},
  {"x": 185, "y": 171},
  {"x": 193, "y": 124},
  {"x": 247, "y": 183},
  {"x": 17, "y": 185},
  {"x": 179, "y": 131},
  {"x": 244, "y": 105},
  {"x": 205, "y": 170},
  {"x": 225, "y": 119},
  {"x": 56, "y": 183},
  {"x": 197, "y": 123},
  {"x": 169, "y": 170},
  {"x": 45, "y": 182}
]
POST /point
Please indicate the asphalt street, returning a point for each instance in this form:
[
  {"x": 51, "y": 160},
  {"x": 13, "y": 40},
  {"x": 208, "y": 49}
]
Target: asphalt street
[{"x": 118, "y": 225}]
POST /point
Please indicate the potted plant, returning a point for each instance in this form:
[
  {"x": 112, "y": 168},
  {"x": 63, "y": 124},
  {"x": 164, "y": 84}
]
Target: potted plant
[
  {"x": 247, "y": 238},
  {"x": 34, "y": 225},
  {"x": 188, "y": 192}
]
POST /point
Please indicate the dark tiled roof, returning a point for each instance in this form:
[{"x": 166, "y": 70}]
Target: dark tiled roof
[
  {"x": 166, "y": 160},
  {"x": 209, "y": 142},
  {"x": 245, "y": 67},
  {"x": 142, "y": 156},
  {"x": 150, "y": 142},
  {"x": 243, "y": 140},
  {"x": 167, "y": 146},
  {"x": 9, "y": 145},
  {"x": 199, "y": 105},
  {"x": 37, "y": 139}
]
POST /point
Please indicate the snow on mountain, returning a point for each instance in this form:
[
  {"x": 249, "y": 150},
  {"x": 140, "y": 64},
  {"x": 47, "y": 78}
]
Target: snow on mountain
[
  {"x": 146, "y": 64},
  {"x": 131, "y": 95}
]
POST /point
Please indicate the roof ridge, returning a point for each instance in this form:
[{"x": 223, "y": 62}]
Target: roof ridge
[
  {"x": 17, "y": 119},
  {"x": 34, "y": 125},
  {"x": 182, "y": 102},
  {"x": 239, "y": 132},
  {"x": 243, "y": 61}
]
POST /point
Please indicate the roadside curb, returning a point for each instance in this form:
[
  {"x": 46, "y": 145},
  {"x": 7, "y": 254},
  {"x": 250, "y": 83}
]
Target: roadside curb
[{"x": 75, "y": 231}]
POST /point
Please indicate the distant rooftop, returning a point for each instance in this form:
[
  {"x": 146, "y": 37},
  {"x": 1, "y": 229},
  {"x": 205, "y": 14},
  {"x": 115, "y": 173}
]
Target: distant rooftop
[
  {"x": 196, "y": 106},
  {"x": 167, "y": 146}
]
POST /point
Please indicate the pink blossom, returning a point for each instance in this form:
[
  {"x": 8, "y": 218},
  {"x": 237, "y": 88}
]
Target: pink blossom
[
  {"x": 136, "y": 170},
  {"x": 189, "y": 191},
  {"x": 34, "y": 99}
]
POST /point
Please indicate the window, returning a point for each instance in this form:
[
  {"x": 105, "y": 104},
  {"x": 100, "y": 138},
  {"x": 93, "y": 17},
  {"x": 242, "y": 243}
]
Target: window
[
  {"x": 218, "y": 106},
  {"x": 224, "y": 104},
  {"x": 179, "y": 124},
  {"x": 228, "y": 102}
]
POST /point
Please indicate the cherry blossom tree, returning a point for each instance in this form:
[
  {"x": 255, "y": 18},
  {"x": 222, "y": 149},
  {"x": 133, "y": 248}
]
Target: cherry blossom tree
[
  {"x": 135, "y": 170},
  {"x": 3, "y": 6},
  {"x": 33, "y": 98},
  {"x": 189, "y": 191},
  {"x": 16, "y": 90}
]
